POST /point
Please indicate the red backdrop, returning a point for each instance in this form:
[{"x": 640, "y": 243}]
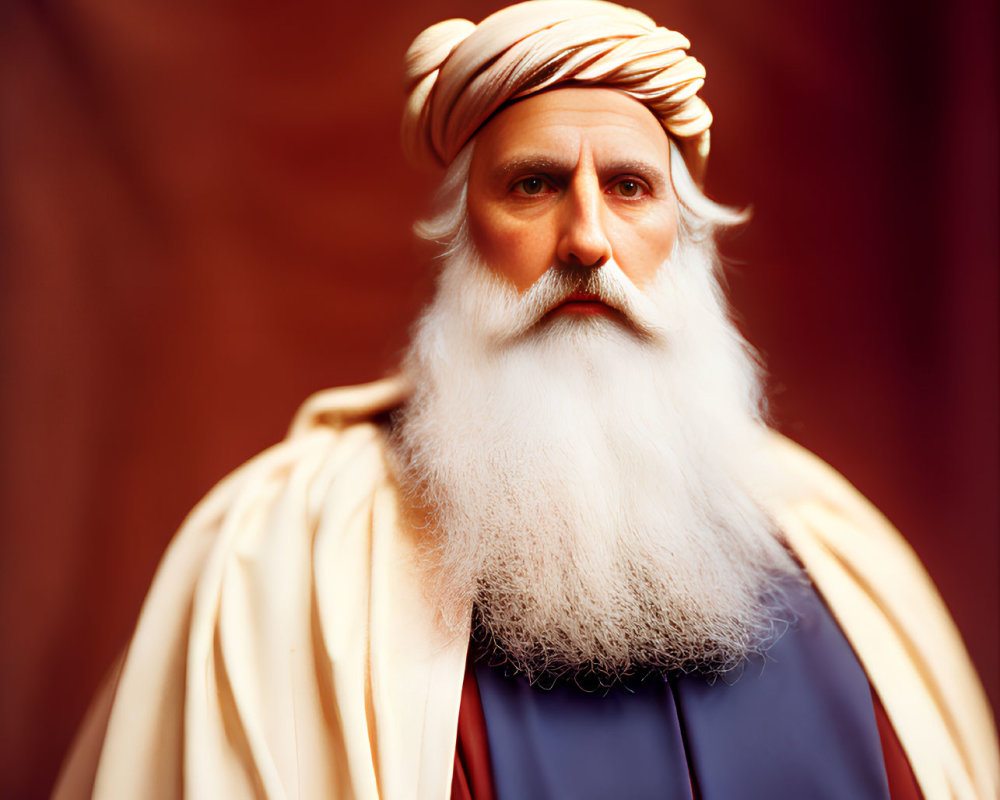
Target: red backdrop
[{"x": 204, "y": 216}]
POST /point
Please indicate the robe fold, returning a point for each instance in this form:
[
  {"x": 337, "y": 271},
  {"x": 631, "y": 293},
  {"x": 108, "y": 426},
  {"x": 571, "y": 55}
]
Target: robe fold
[{"x": 287, "y": 649}]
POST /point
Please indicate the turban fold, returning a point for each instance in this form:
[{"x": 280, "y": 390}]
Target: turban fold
[{"x": 459, "y": 74}]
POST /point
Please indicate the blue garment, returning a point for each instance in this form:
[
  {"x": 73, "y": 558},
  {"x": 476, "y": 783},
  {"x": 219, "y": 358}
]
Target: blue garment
[{"x": 798, "y": 723}]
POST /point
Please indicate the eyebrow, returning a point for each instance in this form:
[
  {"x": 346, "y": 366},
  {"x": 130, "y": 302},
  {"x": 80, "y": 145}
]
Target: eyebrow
[
  {"x": 532, "y": 163},
  {"x": 643, "y": 169},
  {"x": 546, "y": 164}
]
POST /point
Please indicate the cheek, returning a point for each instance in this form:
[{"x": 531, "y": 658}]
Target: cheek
[
  {"x": 644, "y": 248},
  {"x": 509, "y": 247}
]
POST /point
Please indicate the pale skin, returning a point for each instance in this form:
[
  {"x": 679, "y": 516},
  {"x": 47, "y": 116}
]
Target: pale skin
[{"x": 574, "y": 177}]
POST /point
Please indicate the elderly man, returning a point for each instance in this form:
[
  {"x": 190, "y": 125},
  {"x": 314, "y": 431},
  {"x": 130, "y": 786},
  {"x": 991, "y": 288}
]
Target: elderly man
[{"x": 561, "y": 556}]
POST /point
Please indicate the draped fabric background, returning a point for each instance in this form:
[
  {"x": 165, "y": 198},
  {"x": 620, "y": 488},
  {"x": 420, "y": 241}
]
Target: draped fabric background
[{"x": 204, "y": 216}]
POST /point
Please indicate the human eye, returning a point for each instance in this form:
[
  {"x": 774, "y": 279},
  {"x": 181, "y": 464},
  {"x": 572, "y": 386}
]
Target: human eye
[
  {"x": 629, "y": 188},
  {"x": 531, "y": 186}
]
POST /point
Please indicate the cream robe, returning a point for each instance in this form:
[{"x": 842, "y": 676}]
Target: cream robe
[{"x": 286, "y": 649}]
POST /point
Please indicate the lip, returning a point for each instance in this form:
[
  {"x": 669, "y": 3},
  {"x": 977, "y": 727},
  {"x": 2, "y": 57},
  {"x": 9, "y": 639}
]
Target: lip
[{"x": 583, "y": 303}]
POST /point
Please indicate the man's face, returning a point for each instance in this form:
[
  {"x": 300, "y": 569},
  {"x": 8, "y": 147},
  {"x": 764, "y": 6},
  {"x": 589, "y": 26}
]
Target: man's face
[{"x": 573, "y": 178}]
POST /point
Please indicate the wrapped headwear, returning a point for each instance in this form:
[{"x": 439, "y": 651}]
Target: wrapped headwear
[{"x": 459, "y": 74}]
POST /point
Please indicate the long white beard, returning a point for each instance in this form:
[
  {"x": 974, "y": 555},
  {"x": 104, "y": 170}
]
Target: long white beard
[{"x": 582, "y": 474}]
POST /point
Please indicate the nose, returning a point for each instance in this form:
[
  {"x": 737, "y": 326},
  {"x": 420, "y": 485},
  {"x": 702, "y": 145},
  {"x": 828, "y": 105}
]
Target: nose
[{"x": 583, "y": 241}]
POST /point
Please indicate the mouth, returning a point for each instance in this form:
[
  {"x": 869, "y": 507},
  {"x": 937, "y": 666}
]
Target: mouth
[{"x": 584, "y": 304}]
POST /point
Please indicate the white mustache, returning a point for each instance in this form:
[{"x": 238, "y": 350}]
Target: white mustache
[{"x": 607, "y": 283}]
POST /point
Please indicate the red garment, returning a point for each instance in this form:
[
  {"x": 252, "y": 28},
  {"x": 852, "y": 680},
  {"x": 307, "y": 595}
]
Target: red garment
[
  {"x": 472, "y": 778},
  {"x": 902, "y": 783}
]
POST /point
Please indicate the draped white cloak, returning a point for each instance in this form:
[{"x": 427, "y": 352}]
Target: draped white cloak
[{"x": 286, "y": 648}]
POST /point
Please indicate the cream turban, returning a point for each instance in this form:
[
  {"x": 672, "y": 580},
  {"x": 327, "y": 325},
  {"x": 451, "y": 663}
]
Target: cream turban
[{"x": 458, "y": 73}]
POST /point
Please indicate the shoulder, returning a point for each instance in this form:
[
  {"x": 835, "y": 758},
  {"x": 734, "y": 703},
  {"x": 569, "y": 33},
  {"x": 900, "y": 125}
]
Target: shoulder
[
  {"x": 337, "y": 436},
  {"x": 332, "y": 430},
  {"x": 802, "y": 480},
  {"x": 891, "y": 613},
  {"x": 257, "y": 601},
  {"x": 336, "y": 409}
]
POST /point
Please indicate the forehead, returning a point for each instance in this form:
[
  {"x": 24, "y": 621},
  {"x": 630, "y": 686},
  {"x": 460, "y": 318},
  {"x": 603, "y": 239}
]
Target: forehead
[{"x": 563, "y": 123}]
